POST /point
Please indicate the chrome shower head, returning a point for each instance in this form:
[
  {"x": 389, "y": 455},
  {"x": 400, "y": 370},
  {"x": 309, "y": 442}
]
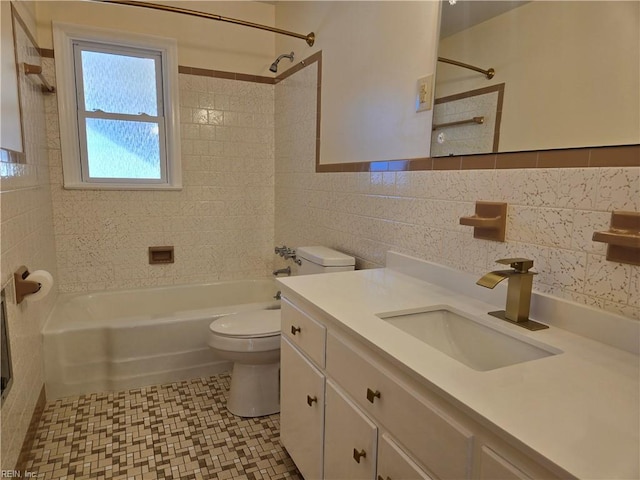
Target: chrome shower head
[{"x": 274, "y": 65}]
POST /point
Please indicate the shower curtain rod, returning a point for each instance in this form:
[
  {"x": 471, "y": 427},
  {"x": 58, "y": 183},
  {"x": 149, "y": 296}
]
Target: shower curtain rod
[
  {"x": 309, "y": 38},
  {"x": 488, "y": 73}
]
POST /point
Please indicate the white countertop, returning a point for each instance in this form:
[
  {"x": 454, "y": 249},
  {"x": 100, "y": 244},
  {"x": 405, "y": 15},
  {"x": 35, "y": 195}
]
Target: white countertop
[{"x": 579, "y": 409}]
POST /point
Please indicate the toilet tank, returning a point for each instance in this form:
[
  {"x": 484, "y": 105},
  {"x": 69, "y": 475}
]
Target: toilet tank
[{"x": 323, "y": 260}]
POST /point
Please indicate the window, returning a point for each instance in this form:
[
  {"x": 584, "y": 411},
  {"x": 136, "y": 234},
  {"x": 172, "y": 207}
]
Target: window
[{"x": 118, "y": 109}]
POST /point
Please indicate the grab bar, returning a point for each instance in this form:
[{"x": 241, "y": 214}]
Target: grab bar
[{"x": 478, "y": 120}]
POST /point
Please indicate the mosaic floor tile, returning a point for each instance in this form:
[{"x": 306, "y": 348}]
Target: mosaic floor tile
[{"x": 176, "y": 431}]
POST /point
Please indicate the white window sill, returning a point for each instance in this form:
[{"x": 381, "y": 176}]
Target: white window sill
[{"x": 119, "y": 186}]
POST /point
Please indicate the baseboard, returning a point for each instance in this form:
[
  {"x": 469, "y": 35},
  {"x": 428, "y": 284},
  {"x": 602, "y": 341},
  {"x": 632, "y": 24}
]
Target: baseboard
[{"x": 30, "y": 436}]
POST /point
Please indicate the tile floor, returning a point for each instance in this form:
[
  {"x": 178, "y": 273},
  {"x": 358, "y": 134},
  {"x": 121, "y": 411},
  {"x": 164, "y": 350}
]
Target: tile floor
[{"x": 175, "y": 431}]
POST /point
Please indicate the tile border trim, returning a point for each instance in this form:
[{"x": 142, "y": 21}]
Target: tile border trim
[
  {"x": 583, "y": 157},
  {"x": 244, "y": 77},
  {"x": 202, "y": 72},
  {"x": 310, "y": 60}
]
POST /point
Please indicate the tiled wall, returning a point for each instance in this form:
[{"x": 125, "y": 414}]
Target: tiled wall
[
  {"x": 26, "y": 239},
  {"x": 221, "y": 222},
  {"x": 552, "y": 212}
]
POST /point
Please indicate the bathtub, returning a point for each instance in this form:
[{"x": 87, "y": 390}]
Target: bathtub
[{"x": 124, "y": 339}]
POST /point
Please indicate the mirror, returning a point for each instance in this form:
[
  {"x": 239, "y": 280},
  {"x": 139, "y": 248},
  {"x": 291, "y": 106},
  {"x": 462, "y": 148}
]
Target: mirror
[
  {"x": 11, "y": 124},
  {"x": 566, "y": 75}
]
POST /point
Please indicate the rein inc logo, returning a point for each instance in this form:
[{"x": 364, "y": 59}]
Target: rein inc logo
[{"x": 18, "y": 474}]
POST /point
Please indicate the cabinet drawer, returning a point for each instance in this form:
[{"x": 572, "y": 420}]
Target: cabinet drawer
[
  {"x": 394, "y": 464},
  {"x": 304, "y": 332},
  {"x": 350, "y": 439},
  {"x": 301, "y": 410},
  {"x": 433, "y": 438}
]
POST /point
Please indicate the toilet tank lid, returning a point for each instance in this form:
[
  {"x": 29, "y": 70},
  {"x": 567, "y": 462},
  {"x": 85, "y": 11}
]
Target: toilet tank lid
[
  {"x": 254, "y": 323},
  {"x": 327, "y": 257}
]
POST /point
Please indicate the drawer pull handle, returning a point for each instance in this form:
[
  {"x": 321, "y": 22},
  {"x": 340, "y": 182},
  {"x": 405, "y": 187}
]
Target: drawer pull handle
[
  {"x": 310, "y": 400},
  {"x": 357, "y": 455},
  {"x": 371, "y": 395},
  {"x": 294, "y": 330}
]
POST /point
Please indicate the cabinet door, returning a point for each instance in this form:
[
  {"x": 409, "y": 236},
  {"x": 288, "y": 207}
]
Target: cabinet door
[
  {"x": 350, "y": 440},
  {"x": 496, "y": 467},
  {"x": 394, "y": 464},
  {"x": 301, "y": 410}
]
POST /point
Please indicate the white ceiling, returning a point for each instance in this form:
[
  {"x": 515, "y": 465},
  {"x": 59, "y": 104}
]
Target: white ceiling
[{"x": 466, "y": 13}]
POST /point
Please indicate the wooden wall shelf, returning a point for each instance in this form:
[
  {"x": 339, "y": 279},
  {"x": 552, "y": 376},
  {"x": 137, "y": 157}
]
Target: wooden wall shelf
[
  {"x": 622, "y": 238},
  {"x": 489, "y": 222},
  {"x": 37, "y": 71}
]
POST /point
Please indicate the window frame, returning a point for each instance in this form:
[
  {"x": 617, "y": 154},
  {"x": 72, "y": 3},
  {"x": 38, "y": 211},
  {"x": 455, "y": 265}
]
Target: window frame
[
  {"x": 83, "y": 114},
  {"x": 75, "y": 173}
]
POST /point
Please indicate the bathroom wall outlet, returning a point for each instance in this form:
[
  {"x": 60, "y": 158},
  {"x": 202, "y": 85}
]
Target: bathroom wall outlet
[{"x": 424, "y": 93}]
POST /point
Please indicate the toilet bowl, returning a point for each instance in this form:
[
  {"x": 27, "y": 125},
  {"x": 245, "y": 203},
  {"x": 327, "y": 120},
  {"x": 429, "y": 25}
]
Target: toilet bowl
[{"x": 252, "y": 341}]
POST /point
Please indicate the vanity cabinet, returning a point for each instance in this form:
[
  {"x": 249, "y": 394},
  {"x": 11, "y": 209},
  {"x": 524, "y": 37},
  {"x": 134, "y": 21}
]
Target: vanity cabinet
[
  {"x": 327, "y": 434},
  {"x": 349, "y": 413}
]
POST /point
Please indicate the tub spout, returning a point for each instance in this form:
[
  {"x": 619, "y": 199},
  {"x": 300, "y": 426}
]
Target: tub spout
[{"x": 282, "y": 270}]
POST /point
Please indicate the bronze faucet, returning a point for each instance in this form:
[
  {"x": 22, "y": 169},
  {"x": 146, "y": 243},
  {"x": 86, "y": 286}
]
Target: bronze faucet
[{"x": 518, "y": 291}]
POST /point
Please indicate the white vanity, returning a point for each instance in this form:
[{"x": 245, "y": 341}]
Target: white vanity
[{"x": 363, "y": 398}]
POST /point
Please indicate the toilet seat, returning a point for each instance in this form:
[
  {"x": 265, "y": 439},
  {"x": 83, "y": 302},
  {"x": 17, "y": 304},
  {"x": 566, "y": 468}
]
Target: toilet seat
[
  {"x": 253, "y": 331},
  {"x": 252, "y": 324}
]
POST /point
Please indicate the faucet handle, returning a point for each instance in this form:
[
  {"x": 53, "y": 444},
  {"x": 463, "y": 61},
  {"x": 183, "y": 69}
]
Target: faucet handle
[{"x": 520, "y": 265}]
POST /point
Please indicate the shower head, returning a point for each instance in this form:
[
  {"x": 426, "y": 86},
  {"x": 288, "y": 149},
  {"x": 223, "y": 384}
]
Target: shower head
[{"x": 274, "y": 65}]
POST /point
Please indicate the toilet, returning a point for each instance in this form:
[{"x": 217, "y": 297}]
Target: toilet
[{"x": 251, "y": 340}]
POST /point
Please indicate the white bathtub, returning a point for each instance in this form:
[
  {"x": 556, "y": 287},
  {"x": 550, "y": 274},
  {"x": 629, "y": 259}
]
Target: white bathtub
[{"x": 118, "y": 340}]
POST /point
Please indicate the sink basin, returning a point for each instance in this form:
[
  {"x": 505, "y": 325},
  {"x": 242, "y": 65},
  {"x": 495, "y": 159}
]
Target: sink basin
[{"x": 467, "y": 340}]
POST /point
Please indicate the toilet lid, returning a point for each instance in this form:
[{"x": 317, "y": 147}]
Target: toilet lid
[
  {"x": 256, "y": 323},
  {"x": 326, "y": 257}
]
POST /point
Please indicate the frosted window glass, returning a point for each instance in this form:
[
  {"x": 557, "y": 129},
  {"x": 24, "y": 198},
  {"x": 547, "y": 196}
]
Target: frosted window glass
[
  {"x": 119, "y": 83},
  {"x": 123, "y": 149}
]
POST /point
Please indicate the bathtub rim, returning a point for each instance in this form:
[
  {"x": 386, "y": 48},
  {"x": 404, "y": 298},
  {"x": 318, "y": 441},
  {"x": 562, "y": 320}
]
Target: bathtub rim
[{"x": 52, "y": 324}]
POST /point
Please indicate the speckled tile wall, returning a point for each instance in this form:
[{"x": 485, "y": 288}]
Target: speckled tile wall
[
  {"x": 26, "y": 238},
  {"x": 552, "y": 212},
  {"x": 220, "y": 223}
]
